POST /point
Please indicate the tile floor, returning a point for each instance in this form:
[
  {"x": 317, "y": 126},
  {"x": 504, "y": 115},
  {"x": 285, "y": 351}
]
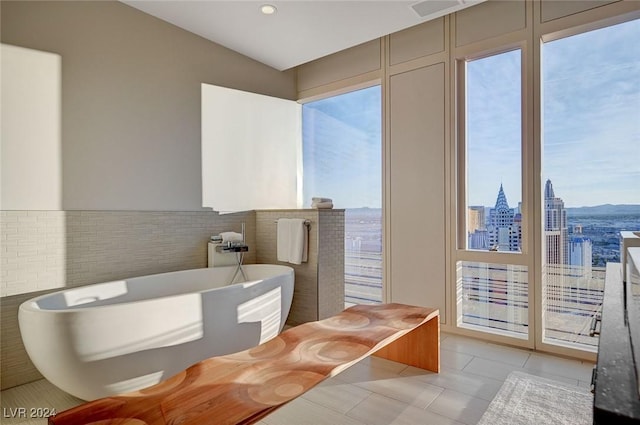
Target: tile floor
[{"x": 377, "y": 391}]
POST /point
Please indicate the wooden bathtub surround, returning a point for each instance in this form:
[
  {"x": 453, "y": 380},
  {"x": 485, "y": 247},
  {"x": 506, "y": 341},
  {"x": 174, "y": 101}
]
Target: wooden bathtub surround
[{"x": 244, "y": 387}]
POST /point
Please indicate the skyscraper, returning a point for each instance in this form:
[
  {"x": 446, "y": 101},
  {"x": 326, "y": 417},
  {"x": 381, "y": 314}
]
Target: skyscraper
[
  {"x": 555, "y": 227},
  {"x": 580, "y": 254},
  {"x": 505, "y": 226},
  {"x": 476, "y": 218},
  {"x": 476, "y": 227}
]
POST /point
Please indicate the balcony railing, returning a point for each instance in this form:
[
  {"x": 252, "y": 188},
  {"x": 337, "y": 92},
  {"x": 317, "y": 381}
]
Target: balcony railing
[
  {"x": 363, "y": 277},
  {"x": 571, "y": 295},
  {"x": 495, "y": 296}
]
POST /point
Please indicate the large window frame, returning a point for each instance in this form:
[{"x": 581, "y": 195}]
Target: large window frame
[
  {"x": 351, "y": 88},
  {"x": 545, "y": 34},
  {"x": 461, "y": 253},
  {"x": 532, "y": 256},
  {"x": 528, "y": 27}
]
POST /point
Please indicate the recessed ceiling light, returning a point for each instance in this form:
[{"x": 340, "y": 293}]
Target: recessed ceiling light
[{"x": 268, "y": 9}]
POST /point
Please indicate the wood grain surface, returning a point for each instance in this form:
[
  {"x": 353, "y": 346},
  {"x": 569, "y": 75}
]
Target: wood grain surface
[{"x": 242, "y": 388}]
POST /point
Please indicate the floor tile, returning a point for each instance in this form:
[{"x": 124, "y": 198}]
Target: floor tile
[
  {"x": 336, "y": 395},
  {"x": 466, "y": 383},
  {"x": 380, "y": 363},
  {"x": 407, "y": 389},
  {"x": 303, "y": 412},
  {"x": 559, "y": 366},
  {"x": 460, "y": 407},
  {"x": 379, "y": 410},
  {"x": 370, "y": 369},
  {"x": 491, "y": 369},
  {"x": 39, "y": 394},
  {"x": 509, "y": 355},
  {"x": 453, "y": 359}
]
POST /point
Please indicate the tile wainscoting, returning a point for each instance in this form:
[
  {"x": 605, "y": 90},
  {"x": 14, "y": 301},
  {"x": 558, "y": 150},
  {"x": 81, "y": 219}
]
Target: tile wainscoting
[
  {"x": 43, "y": 251},
  {"x": 319, "y": 287}
]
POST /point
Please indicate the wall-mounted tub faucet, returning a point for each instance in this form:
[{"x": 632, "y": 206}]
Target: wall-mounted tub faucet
[{"x": 230, "y": 243}]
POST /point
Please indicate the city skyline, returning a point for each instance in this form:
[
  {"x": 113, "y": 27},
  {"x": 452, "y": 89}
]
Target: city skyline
[
  {"x": 517, "y": 205},
  {"x": 586, "y": 239}
]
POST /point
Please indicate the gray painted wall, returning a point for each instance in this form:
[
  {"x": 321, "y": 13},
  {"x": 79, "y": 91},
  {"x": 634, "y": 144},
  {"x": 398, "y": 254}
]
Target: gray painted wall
[{"x": 131, "y": 99}]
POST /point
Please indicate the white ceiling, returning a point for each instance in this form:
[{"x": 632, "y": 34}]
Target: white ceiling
[{"x": 300, "y": 30}]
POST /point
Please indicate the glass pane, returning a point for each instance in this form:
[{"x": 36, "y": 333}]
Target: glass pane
[
  {"x": 591, "y": 170},
  {"x": 493, "y": 145},
  {"x": 342, "y": 160},
  {"x": 363, "y": 255},
  {"x": 493, "y": 296}
]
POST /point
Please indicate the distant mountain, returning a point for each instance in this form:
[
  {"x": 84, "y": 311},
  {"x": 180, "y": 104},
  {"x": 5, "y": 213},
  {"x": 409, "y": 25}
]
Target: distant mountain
[
  {"x": 363, "y": 212},
  {"x": 364, "y": 209},
  {"x": 607, "y": 209}
]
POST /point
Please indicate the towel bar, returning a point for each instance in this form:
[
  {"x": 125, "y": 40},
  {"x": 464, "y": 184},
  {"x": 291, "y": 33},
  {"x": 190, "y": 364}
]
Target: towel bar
[{"x": 306, "y": 222}]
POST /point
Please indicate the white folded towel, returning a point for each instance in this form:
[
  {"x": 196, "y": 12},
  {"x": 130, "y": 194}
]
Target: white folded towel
[
  {"x": 231, "y": 237},
  {"x": 322, "y": 205},
  {"x": 292, "y": 243},
  {"x": 316, "y": 200}
]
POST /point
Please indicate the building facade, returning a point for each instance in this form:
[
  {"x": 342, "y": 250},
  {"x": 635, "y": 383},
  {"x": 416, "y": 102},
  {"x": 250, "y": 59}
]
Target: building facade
[
  {"x": 555, "y": 227},
  {"x": 504, "y": 230}
]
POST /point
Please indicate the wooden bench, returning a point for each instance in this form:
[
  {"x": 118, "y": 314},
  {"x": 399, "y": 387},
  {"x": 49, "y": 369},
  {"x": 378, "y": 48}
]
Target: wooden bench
[{"x": 244, "y": 387}]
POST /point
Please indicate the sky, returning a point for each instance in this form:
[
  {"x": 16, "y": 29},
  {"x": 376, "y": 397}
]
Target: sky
[
  {"x": 493, "y": 128},
  {"x": 591, "y": 127},
  {"x": 592, "y": 116},
  {"x": 591, "y": 120},
  {"x": 342, "y": 153}
]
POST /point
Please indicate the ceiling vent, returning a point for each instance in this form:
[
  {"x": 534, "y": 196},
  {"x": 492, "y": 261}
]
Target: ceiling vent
[{"x": 432, "y": 8}]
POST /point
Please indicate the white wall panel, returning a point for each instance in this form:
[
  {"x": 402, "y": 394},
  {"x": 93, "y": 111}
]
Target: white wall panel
[
  {"x": 489, "y": 19},
  {"x": 416, "y": 42},
  {"x": 417, "y": 192},
  {"x": 251, "y": 150},
  {"x": 554, "y": 9},
  {"x": 339, "y": 66},
  {"x": 30, "y": 144}
]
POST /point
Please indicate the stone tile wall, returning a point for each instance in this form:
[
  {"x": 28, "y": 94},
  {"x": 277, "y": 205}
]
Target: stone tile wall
[
  {"x": 330, "y": 263},
  {"x": 304, "y": 307},
  {"x": 319, "y": 285},
  {"x": 43, "y": 251}
]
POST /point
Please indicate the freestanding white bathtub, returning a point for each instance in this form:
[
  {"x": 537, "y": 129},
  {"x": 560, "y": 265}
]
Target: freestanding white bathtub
[{"x": 109, "y": 338}]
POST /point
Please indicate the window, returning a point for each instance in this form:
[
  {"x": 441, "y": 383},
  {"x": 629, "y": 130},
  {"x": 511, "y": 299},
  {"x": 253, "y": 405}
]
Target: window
[
  {"x": 493, "y": 149},
  {"x": 342, "y": 145},
  {"x": 591, "y": 170},
  {"x": 493, "y": 295}
]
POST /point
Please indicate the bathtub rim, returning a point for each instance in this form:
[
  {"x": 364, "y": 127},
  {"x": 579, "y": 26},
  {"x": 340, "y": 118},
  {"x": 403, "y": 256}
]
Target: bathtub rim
[{"x": 30, "y": 305}]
